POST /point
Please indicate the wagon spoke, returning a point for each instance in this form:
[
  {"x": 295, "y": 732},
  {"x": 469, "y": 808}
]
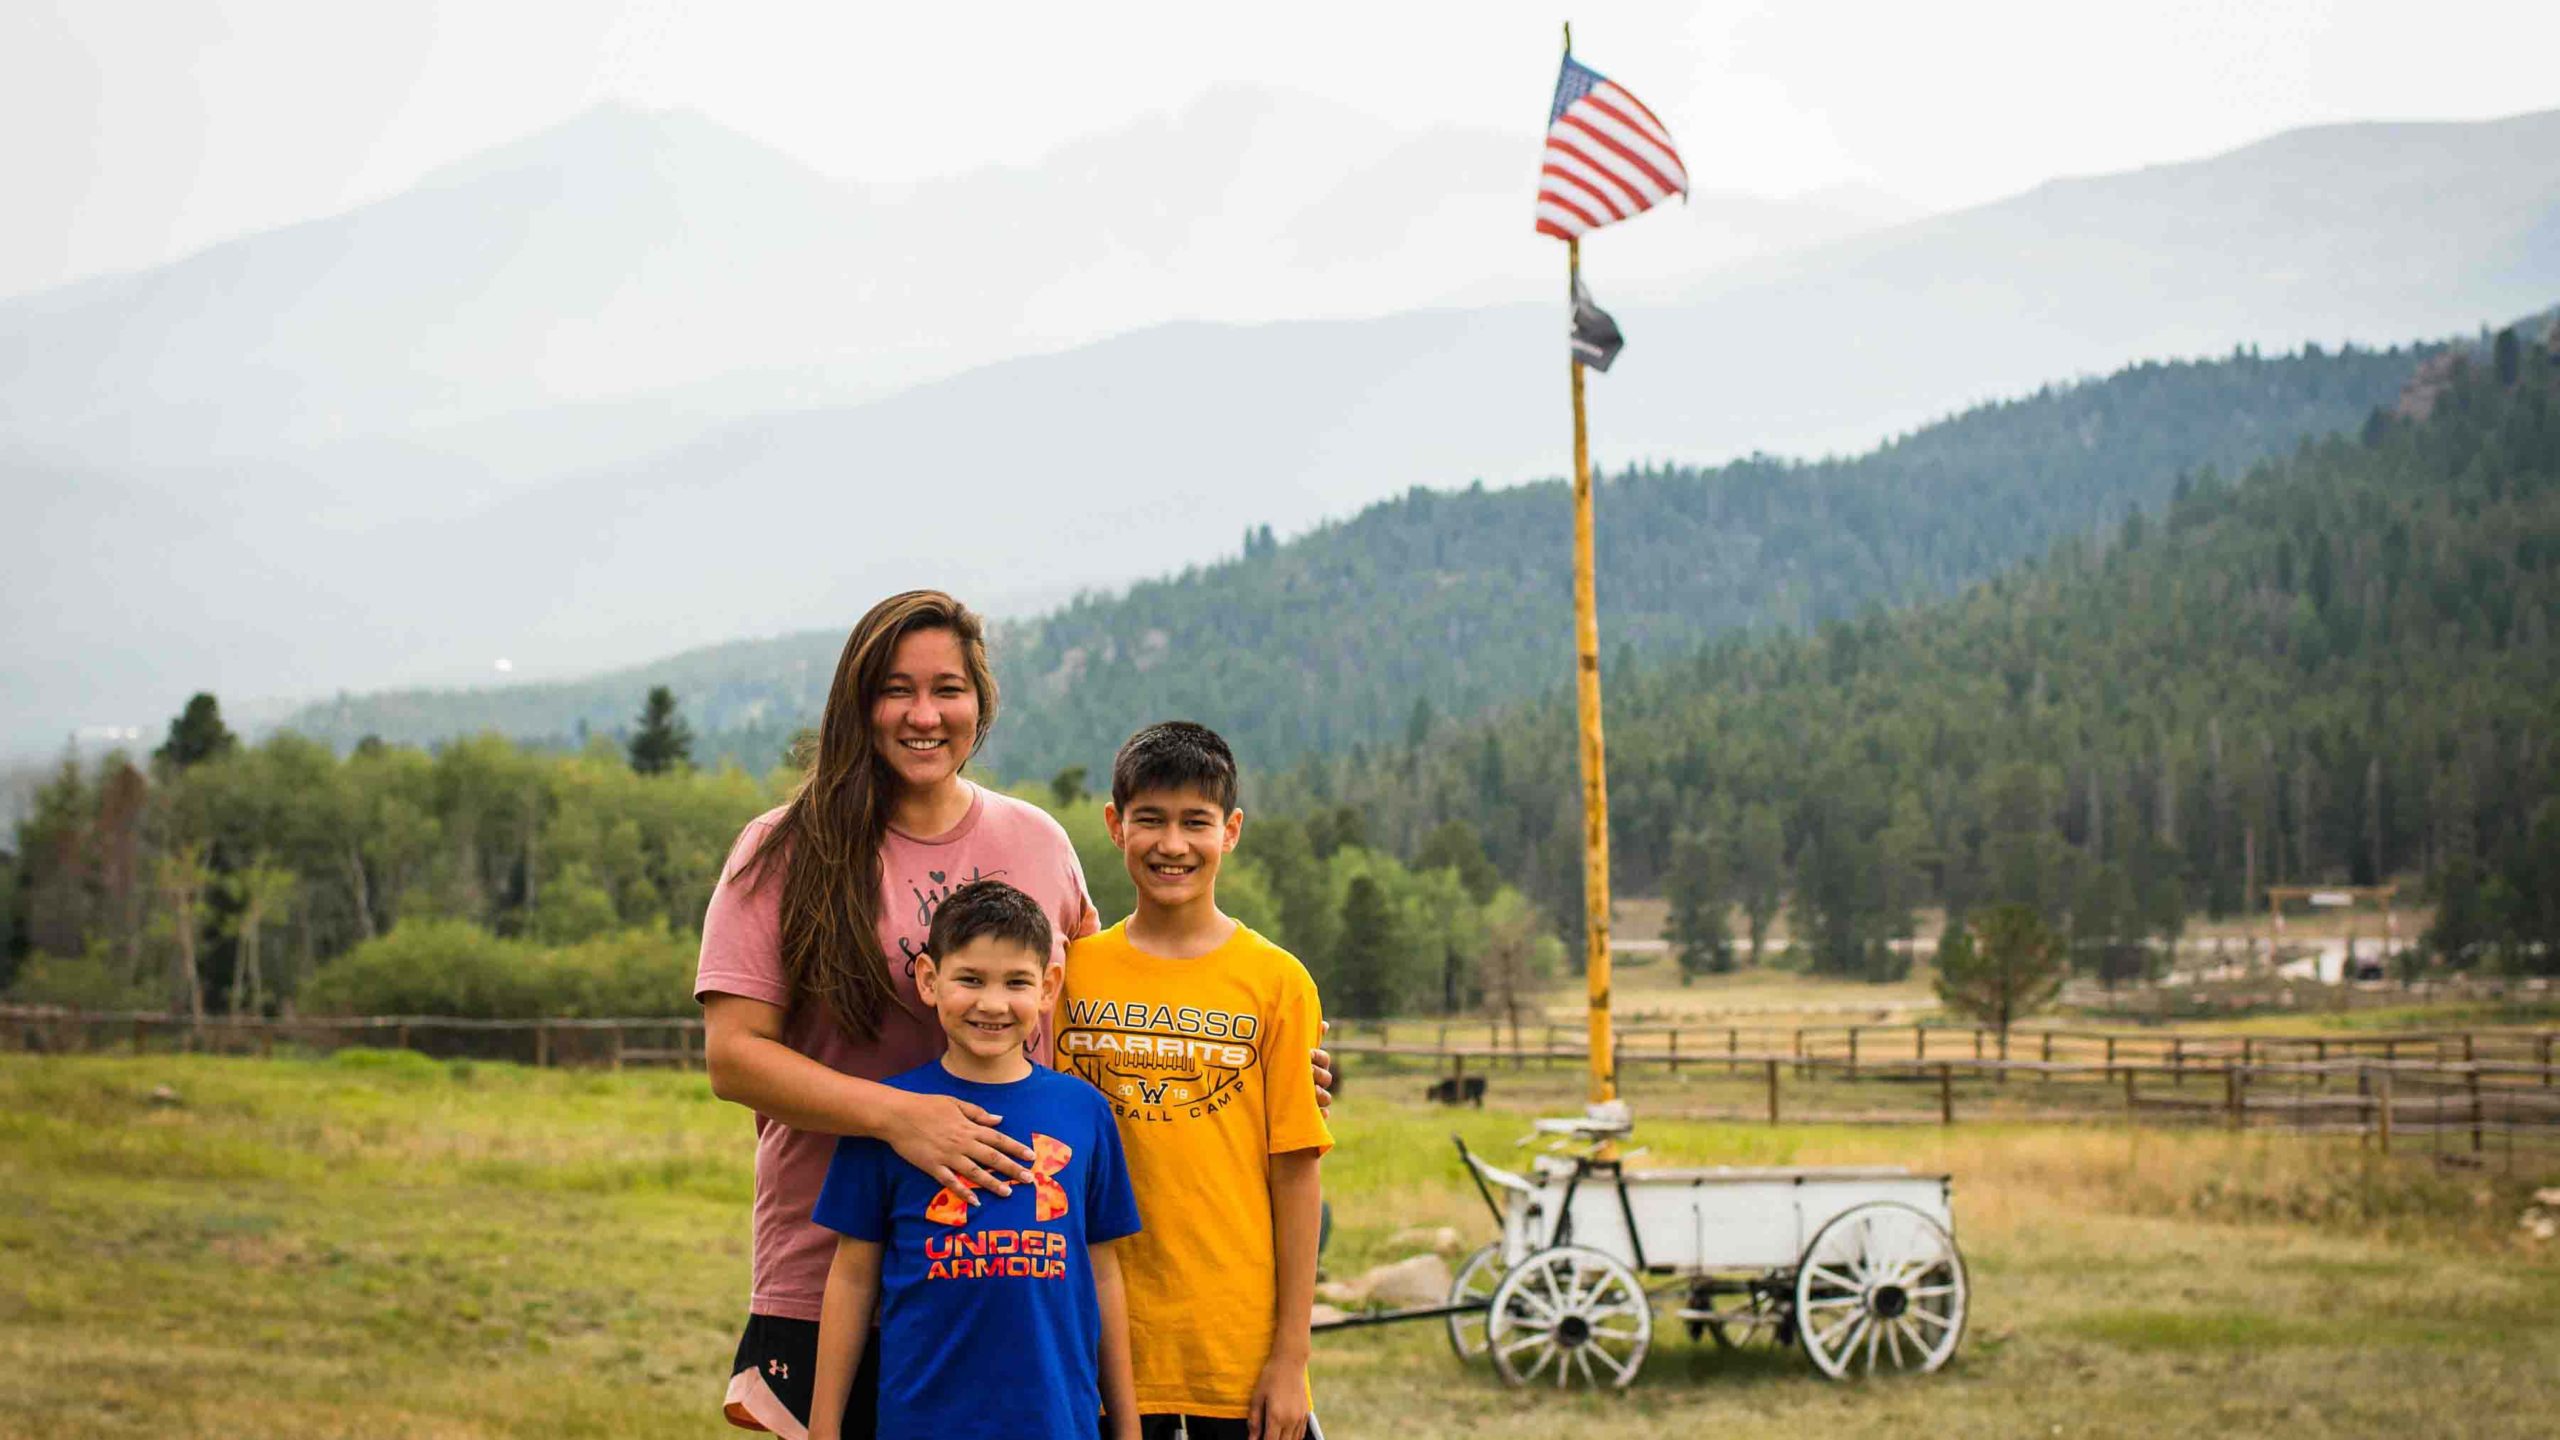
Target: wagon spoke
[
  {"x": 1847, "y": 1325},
  {"x": 1918, "y": 1291},
  {"x": 1834, "y": 1278},
  {"x": 1547, "y": 1278},
  {"x": 1933, "y": 1317},
  {"x": 1828, "y": 1302},
  {"x": 1534, "y": 1308},
  {"x": 1893, "y": 1342},
  {"x": 1875, "y": 1332},
  {"x": 1623, "y": 1369},
  {"x": 1582, "y": 1359},
  {"x": 1543, "y": 1357}
]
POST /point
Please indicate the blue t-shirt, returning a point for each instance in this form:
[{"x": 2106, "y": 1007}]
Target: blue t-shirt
[{"x": 988, "y": 1323}]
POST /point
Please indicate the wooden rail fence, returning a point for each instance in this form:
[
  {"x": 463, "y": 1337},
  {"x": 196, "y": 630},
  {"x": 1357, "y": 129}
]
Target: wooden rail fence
[{"x": 2474, "y": 1086}]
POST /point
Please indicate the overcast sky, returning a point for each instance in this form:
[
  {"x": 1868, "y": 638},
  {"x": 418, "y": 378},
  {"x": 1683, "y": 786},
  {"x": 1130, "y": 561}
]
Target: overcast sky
[{"x": 135, "y": 131}]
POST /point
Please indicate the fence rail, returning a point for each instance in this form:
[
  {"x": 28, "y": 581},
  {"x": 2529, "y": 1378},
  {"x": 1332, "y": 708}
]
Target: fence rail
[{"x": 2464, "y": 1092}]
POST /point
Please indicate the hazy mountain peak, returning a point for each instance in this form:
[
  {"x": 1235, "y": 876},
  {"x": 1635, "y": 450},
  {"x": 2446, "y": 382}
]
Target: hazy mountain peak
[{"x": 618, "y": 134}]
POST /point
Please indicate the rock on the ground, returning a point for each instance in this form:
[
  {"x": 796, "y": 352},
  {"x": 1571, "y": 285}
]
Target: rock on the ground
[
  {"x": 1336, "y": 1292},
  {"x": 163, "y": 1095},
  {"x": 1324, "y": 1315},
  {"x": 1421, "y": 1280}
]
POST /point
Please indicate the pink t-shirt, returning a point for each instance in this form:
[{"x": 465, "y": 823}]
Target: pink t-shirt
[{"x": 1001, "y": 838}]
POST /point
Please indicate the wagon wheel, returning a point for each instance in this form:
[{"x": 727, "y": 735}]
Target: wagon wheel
[
  {"x": 1570, "y": 1311},
  {"x": 1476, "y": 1281},
  {"x": 1880, "y": 1288}
]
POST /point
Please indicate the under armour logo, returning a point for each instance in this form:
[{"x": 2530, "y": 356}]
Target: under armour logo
[
  {"x": 1049, "y": 1157},
  {"x": 777, "y": 1369}
]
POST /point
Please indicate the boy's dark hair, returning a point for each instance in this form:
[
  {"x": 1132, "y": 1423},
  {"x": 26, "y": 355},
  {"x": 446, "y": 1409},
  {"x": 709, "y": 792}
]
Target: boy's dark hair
[
  {"x": 1175, "y": 755},
  {"x": 985, "y": 908}
]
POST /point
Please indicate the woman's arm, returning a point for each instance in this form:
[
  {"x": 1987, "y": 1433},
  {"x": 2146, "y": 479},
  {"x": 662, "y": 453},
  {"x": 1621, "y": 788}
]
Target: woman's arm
[
  {"x": 844, "y": 1327},
  {"x": 1119, "y": 1380},
  {"x": 946, "y": 1138}
]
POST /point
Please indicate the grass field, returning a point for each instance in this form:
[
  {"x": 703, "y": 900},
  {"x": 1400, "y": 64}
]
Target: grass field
[{"x": 383, "y": 1245}]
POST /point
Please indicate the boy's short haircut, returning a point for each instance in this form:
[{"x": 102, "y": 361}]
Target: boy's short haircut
[
  {"x": 1175, "y": 755},
  {"x": 987, "y": 909}
]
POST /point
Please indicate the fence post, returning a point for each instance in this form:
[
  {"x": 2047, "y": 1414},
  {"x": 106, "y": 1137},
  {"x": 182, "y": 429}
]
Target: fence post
[
  {"x": 2543, "y": 1043},
  {"x": 1675, "y": 1049},
  {"x": 1853, "y": 1052},
  {"x": 404, "y": 1034},
  {"x": 137, "y": 1034},
  {"x": 2048, "y": 1047},
  {"x": 1773, "y": 1092},
  {"x": 2177, "y": 1060},
  {"x": 2471, "y": 1082},
  {"x": 1733, "y": 1049},
  {"x": 1977, "y": 1042},
  {"x": 1799, "y": 1047},
  {"x": 1946, "y": 1094},
  {"x": 541, "y": 1046},
  {"x": 2231, "y": 1094},
  {"x": 2130, "y": 1076},
  {"x": 2382, "y": 1112},
  {"x": 1919, "y": 1043},
  {"x": 617, "y": 1049}
]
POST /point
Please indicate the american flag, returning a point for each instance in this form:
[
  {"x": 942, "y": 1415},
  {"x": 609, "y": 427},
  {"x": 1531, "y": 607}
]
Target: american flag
[{"x": 1607, "y": 156}]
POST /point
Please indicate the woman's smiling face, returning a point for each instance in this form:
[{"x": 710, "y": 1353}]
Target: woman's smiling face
[{"x": 924, "y": 720}]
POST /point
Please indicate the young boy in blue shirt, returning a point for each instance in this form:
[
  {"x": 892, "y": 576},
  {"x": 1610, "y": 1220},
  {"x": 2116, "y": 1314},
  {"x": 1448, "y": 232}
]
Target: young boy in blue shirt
[{"x": 999, "y": 1316}]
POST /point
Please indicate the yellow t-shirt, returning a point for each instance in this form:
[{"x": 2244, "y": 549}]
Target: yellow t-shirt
[{"x": 1204, "y": 1062}]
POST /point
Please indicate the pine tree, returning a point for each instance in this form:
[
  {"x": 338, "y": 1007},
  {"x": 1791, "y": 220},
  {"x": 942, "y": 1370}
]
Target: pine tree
[
  {"x": 1701, "y": 940},
  {"x": 665, "y": 741},
  {"x": 1363, "y": 964},
  {"x": 197, "y": 735},
  {"x": 2002, "y": 968}
]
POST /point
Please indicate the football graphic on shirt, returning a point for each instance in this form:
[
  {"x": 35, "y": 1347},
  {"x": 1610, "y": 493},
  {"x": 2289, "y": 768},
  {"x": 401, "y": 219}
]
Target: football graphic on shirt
[{"x": 1160, "y": 1060}]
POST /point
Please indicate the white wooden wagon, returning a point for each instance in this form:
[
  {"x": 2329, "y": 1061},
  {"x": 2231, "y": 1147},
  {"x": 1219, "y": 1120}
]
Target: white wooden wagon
[{"x": 1858, "y": 1265}]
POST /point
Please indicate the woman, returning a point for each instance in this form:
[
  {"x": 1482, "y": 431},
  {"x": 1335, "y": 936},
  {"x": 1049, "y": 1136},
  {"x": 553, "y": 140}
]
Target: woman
[{"x": 806, "y": 977}]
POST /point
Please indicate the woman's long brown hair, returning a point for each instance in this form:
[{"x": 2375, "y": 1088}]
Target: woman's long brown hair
[{"x": 828, "y": 839}]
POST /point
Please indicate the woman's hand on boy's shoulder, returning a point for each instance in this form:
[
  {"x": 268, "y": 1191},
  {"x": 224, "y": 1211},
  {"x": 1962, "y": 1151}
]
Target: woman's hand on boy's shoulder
[{"x": 1322, "y": 1060}]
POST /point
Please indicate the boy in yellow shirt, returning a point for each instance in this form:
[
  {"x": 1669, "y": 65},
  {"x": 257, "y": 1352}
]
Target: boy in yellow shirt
[{"x": 1198, "y": 1031}]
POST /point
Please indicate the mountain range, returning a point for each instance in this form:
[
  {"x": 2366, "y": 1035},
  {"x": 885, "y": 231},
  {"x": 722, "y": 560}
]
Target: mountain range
[
  {"x": 1444, "y": 603},
  {"x": 637, "y": 384}
]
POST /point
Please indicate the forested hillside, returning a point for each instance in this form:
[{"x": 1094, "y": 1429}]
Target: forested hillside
[
  {"x": 1455, "y": 599},
  {"x": 2342, "y": 667},
  {"x": 492, "y": 881}
]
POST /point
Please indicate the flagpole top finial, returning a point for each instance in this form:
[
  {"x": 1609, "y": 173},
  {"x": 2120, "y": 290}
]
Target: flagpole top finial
[{"x": 1568, "y": 37}]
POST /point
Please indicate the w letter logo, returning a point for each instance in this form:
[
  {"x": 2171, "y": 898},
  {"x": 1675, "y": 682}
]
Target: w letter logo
[{"x": 1049, "y": 1156}]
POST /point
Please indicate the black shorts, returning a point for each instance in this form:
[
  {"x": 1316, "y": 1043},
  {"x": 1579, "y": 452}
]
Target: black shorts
[
  {"x": 1205, "y": 1427},
  {"x": 776, "y": 1371}
]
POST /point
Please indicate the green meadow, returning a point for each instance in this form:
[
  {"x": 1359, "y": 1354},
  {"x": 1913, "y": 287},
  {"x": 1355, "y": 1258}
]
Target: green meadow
[{"x": 383, "y": 1245}]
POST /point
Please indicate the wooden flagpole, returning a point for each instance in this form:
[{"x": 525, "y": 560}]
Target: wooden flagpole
[{"x": 1595, "y": 777}]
